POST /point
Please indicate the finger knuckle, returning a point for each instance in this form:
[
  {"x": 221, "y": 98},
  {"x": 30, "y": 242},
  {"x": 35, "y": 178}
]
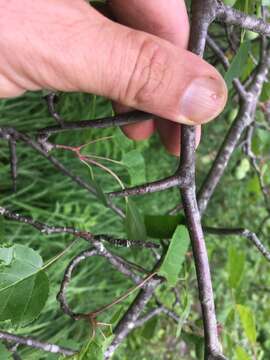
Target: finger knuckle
[{"x": 149, "y": 73}]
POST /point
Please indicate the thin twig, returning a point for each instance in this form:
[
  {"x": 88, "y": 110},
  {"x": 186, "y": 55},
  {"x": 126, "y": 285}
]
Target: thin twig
[
  {"x": 13, "y": 162},
  {"x": 31, "y": 342},
  {"x": 241, "y": 232},
  {"x": 231, "y": 16}
]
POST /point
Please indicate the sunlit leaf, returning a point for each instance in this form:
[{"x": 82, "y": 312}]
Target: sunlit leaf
[
  {"x": 242, "y": 169},
  {"x": 253, "y": 185},
  {"x": 175, "y": 256},
  {"x": 229, "y": 2},
  {"x": 248, "y": 322},
  {"x": 241, "y": 354},
  {"x": 236, "y": 265}
]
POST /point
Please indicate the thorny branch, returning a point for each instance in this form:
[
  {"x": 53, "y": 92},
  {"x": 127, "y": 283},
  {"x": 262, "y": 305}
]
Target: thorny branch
[{"x": 204, "y": 12}]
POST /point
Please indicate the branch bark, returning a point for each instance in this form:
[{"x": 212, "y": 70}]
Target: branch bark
[{"x": 31, "y": 342}]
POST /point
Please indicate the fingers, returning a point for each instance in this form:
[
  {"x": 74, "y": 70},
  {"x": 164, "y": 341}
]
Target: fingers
[
  {"x": 163, "y": 18},
  {"x": 170, "y": 135},
  {"x": 9, "y": 89},
  {"x": 140, "y": 131},
  {"x": 145, "y": 72},
  {"x": 167, "y": 20},
  {"x": 74, "y": 48}
]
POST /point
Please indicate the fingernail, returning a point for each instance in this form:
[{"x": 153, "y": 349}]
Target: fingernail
[{"x": 203, "y": 100}]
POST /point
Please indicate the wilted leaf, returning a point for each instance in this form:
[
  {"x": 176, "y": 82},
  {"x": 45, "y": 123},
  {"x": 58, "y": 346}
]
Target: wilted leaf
[
  {"x": 248, "y": 322},
  {"x": 135, "y": 227},
  {"x": 24, "y": 287},
  {"x": 175, "y": 255}
]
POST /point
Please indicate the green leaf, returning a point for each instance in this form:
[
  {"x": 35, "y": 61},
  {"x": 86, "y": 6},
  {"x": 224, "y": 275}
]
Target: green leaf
[
  {"x": 24, "y": 287},
  {"x": 99, "y": 192},
  {"x": 4, "y": 353},
  {"x": 236, "y": 266},
  {"x": 134, "y": 161},
  {"x": 248, "y": 322},
  {"x": 185, "y": 313},
  {"x": 175, "y": 256},
  {"x": 93, "y": 350},
  {"x": 6, "y": 255},
  {"x": 2, "y": 230},
  {"x": 238, "y": 63},
  {"x": 265, "y": 95},
  {"x": 242, "y": 169},
  {"x": 117, "y": 316},
  {"x": 229, "y": 2},
  {"x": 124, "y": 143},
  {"x": 241, "y": 354},
  {"x": 162, "y": 226},
  {"x": 149, "y": 328},
  {"x": 253, "y": 185},
  {"x": 135, "y": 227}
]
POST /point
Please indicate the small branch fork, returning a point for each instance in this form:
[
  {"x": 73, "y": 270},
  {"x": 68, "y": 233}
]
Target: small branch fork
[{"x": 204, "y": 12}]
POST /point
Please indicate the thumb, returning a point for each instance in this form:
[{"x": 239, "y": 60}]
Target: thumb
[
  {"x": 145, "y": 72},
  {"x": 84, "y": 51}
]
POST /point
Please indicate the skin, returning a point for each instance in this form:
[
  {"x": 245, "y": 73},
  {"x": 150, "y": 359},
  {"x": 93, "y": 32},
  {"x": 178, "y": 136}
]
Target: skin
[{"x": 138, "y": 60}]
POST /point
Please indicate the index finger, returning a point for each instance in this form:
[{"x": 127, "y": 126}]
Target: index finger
[
  {"x": 168, "y": 20},
  {"x": 163, "y": 18}
]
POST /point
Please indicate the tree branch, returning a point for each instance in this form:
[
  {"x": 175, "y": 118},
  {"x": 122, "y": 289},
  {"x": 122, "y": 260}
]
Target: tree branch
[
  {"x": 203, "y": 13},
  {"x": 251, "y": 236},
  {"x": 31, "y": 342},
  {"x": 244, "y": 118},
  {"x": 231, "y": 16}
]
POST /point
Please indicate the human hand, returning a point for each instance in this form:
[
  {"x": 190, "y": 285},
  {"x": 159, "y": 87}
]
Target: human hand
[{"x": 69, "y": 46}]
